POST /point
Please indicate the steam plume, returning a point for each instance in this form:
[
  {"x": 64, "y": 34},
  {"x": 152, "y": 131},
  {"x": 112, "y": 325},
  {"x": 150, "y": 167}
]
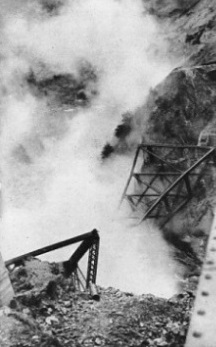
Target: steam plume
[{"x": 55, "y": 185}]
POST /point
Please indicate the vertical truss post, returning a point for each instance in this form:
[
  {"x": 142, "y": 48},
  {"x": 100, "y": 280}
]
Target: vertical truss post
[
  {"x": 90, "y": 242},
  {"x": 131, "y": 174},
  {"x": 93, "y": 260}
]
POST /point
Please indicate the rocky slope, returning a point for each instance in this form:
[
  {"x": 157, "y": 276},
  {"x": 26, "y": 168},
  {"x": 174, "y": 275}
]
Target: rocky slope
[
  {"x": 189, "y": 27},
  {"x": 48, "y": 312},
  {"x": 181, "y": 106},
  {"x": 184, "y": 104}
]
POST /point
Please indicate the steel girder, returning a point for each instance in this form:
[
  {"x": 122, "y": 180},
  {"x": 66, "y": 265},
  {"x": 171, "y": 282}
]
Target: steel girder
[
  {"x": 89, "y": 242},
  {"x": 164, "y": 178}
]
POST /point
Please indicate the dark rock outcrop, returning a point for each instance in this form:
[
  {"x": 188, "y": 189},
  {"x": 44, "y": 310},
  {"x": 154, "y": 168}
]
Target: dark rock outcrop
[{"x": 182, "y": 105}]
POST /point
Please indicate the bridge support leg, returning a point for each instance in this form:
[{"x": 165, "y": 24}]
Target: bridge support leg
[{"x": 92, "y": 262}]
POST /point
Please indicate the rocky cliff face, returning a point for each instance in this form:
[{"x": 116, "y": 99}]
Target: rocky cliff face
[
  {"x": 184, "y": 104},
  {"x": 189, "y": 27},
  {"x": 180, "y": 107}
]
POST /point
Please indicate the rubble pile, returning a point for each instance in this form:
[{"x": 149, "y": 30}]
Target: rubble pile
[{"x": 47, "y": 311}]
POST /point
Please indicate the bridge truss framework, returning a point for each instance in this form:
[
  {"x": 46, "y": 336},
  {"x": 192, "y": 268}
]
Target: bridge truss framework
[
  {"x": 164, "y": 178},
  {"x": 89, "y": 242}
]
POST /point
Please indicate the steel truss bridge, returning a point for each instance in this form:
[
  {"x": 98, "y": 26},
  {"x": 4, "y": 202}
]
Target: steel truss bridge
[
  {"x": 164, "y": 178},
  {"x": 89, "y": 242}
]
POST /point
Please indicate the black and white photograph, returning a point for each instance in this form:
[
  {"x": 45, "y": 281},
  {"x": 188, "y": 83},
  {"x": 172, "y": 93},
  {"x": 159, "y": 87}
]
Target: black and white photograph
[{"x": 107, "y": 173}]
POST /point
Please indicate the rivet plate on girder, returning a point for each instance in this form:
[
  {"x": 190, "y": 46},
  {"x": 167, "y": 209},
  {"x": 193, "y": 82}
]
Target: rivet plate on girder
[{"x": 202, "y": 330}]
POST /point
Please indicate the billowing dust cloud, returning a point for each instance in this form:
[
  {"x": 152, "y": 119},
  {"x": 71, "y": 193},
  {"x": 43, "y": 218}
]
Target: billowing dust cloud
[{"x": 54, "y": 182}]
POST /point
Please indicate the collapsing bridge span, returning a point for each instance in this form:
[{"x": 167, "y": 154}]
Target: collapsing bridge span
[
  {"x": 164, "y": 178},
  {"x": 89, "y": 242}
]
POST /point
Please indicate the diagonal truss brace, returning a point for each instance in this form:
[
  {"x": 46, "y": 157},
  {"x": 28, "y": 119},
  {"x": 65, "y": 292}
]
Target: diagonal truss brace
[
  {"x": 184, "y": 176},
  {"x": 89, "y": 242},
  {"x": 166, "y": 200}
]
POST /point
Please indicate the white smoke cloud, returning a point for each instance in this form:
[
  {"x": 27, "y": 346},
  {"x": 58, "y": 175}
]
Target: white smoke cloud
[
  {"x": 114, "y": 36},
  {"x": 64, "y": 189}
]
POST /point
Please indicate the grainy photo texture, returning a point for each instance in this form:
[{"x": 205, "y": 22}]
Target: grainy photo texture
[{"x": 107, "y": 172}]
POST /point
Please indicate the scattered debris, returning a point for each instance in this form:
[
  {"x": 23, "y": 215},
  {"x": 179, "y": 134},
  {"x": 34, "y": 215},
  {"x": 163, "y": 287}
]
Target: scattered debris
[{"x": 73, "y": 319}]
